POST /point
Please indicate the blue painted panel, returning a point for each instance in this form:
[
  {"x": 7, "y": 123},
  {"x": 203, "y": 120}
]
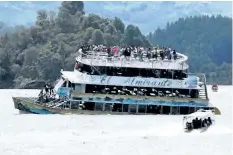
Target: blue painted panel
[
  {"x": 63, "y": 91},
  {"x": 192, "y": 81},
  {"x": 37, "y": 110}
]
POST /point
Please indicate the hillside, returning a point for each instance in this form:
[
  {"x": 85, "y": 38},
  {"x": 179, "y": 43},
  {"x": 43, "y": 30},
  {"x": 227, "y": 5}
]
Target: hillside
[
  {"x": 35, "y": 54},
  {"x": 206, "y": 40},
  {"x": 137, "y": 13}
]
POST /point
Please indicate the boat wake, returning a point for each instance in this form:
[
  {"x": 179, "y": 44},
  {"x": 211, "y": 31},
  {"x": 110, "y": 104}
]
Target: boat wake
[
  {"x": 218, "y": 130},
  {"x": 175, "y": 129}
]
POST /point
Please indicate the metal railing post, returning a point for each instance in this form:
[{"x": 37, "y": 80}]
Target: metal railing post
[{"x": 205, "y": 87}]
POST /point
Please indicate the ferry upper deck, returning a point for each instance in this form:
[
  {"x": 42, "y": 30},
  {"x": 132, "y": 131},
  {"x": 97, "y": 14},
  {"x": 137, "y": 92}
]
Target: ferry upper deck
[{"x": 151, "y": 59}]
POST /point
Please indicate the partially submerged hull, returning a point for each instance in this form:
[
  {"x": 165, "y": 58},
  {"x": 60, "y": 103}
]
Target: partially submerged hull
[{"x": 30, "y": 105}]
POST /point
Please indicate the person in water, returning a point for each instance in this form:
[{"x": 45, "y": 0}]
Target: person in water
[{"x": 209, "y": 121}]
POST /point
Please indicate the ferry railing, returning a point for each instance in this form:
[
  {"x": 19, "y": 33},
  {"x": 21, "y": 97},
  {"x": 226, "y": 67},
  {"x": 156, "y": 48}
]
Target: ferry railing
[
  {"x": 119, "y": 61},
  {"x": 202, "y": 78},
  {"x": 205, "y": 86}
]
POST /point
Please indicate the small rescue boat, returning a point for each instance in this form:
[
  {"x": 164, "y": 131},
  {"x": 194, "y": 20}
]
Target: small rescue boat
[{"x": 200, "y": 120}]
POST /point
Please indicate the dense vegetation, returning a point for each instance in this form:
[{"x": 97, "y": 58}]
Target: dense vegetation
[
  {"x": 38, "y": 53},
  {"x": 35, "y": 54},
  {"x": 206, "y": 40}
]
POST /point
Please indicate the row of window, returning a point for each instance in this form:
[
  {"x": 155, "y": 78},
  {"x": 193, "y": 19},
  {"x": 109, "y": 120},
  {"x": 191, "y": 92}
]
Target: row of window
[
  {"x": 142, "y": 91},
  {"x": 130, "y": 72}
]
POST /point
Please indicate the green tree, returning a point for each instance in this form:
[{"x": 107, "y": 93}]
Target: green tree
[
  {"x": 74, "y": 6},
  {"x": 97, "y": 37},
  {"x": 38, "y": 53},
  {"x": 207, "y": 41},
  {"x": 119, "y": 25}
]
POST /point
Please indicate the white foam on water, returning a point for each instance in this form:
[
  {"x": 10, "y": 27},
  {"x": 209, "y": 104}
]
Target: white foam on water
[{"x": 30, "y": 134}]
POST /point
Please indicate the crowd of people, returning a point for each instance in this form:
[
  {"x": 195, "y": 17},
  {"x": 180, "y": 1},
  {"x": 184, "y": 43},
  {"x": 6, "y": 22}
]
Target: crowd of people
[
  {"x": 132, "y": 51},
  {"x": 198, "y": 123},
  {"x": 46, "y": 94}
]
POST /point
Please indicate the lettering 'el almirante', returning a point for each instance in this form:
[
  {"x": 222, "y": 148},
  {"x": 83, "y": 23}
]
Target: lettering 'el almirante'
[
  {"x": 147, "y": 82},
  {"x": 132, "y": 81}
]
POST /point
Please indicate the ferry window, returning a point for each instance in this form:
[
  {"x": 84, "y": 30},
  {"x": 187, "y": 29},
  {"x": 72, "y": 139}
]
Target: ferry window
[
  {"x": 79, "y": 66},
  {"x": 119, "y": 71},
  {"x": 73, "y": 86},
  {"x": 110, "y": 71},
  {"x": 150, "y": 73},
  {"x": 131, "y": 72},
  {"x": 141, "y": 91},
  {"x": 194, "y": 93},
  {"x": 77, "y": 87},
  {"x": 69, "y": 84},
  {"x": 64, "y": 84},
  {"x": 170, "y": 74},
  {"x": 142, "y": 72},
  {"x": 184, "y": 75},
  {"x": 163, "y": 74}
]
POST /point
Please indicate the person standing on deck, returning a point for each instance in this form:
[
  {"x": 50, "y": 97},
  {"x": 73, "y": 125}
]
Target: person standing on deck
[
  {"x": 162, "y": 54},
  {"x": 174, "y": 54},
  {"x": 109, "y": 53},
  {"x": 46, "y": 87},
  {"x": 115, "y": 51}
]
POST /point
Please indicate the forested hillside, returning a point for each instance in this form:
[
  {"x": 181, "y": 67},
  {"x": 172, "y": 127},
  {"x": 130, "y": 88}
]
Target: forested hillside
[
  {"x": 130, "y": 12},
  {"x": 206, "y": 40},
  {"x": 40, "y": 52}
]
